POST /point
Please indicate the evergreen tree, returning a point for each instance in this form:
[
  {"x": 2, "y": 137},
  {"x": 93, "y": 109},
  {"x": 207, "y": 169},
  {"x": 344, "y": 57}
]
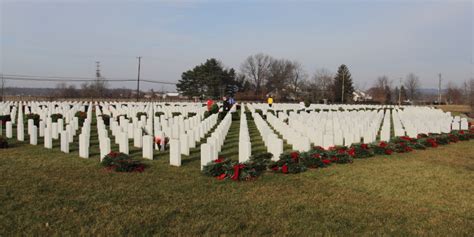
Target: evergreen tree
[
  {"x": 343, "y": 75},
  {"x": 208, "y": 79}
]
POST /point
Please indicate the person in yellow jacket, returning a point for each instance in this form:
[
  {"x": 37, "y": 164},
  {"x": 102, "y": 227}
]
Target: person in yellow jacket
[{"x": 270, "y": 101}]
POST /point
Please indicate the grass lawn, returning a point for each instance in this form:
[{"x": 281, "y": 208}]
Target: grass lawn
[
  {"x": 455, "y": 109},
  {"x": 47, "y": 192}
]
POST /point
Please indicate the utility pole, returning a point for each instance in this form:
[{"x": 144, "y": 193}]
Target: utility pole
[
  {"x": 97, "y": 71},
  {"x": 138, "y": 78},
  {"x": 342, "y": 96},
  {"x": 400, "y": 93},
  {"x": 439, "y": 89},
  {"x": 3, "y": 87}
]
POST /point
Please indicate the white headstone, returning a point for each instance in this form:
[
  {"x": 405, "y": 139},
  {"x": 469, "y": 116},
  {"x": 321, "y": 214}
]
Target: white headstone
[
  {"x": 9, "y": 129},
  {"x": 206, "y": 153},
  {"x": 20, "y": 132},
  {"x": 83, "y": 146},
  {"x": 64, "y": 141},
  {"x": 148, "y": 147},
  {"x": 34, "y": 135},
  {"x": 175, "y": 152}
]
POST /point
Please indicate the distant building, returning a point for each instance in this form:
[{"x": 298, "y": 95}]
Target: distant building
[{"x": 359, "y": 96}]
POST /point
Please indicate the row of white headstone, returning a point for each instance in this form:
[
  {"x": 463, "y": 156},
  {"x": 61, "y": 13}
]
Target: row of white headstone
[
  {"x": 245, "y": 147},
  {"x": 271, "y": 140},
  {"x": 213, "y": 145},
  {"x": 189, "y": 139},
  {"x": 346, "y": 127},
  {"x": 335, "y": 128}
]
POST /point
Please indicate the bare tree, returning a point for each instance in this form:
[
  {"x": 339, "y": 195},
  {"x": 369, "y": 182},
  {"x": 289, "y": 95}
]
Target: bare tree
[
  {"x": 297, "y": 78},
  {"x": 412, "y": 84},
  {"x": 280, "y": 74},
  {"x": 257, "y": 69},
  {"x": 381, "y": 90},
  {"x": 323, "y": 80},
  {"x": 453, "y": 94},
  {"x": 65, "y": 91}
]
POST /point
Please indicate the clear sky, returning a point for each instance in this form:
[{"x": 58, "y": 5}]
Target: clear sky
[{"x": 374, "y": 38}]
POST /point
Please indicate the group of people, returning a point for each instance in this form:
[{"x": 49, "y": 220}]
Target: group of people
[{"x": 228, "y": 102}]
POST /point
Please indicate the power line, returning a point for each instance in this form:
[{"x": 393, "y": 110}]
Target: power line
[
  {"x": 58, "y": 80},
  {"x": 12, "y": 77}
]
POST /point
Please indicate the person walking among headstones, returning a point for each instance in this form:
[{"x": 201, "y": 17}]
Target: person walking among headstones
[
  {"x": 231, "y": 102},
  {"x": 270, "y": 101},
  {"x": 225, "y": 102}
]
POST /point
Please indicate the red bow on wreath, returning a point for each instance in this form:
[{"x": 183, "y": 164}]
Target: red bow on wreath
[
  {"x": 219, "y": 160},
  {"x": 237, "y": 169},
  {"x": 295, "y": 156}
]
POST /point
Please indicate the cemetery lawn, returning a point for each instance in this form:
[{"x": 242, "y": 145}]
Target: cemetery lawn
[
  {"x": 46, "y": 192},
  {"x": 455, "y": 110}
]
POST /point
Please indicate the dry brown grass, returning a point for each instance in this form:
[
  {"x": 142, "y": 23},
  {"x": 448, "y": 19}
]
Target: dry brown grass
[{"x": 455, "y": 108}]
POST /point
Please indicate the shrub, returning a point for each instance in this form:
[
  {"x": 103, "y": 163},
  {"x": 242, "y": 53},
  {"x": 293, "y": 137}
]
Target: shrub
[
  {"x": 120, "y": 162},
  {"x": 3, "y": 142},
  {"x": 191, "y": 114},
  {"x": 35, "y": 117},
  {"x": 55, "y": 117}
]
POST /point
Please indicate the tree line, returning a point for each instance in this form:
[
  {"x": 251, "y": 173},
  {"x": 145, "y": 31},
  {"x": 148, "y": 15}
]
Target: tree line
[{"x": 261, "y": 75}]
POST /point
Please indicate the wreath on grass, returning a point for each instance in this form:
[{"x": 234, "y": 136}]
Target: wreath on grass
[
  {"x": 121, "y": 162},
  {"x": 223, "y": 168},
  {"x": 296, "y": 162}
]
